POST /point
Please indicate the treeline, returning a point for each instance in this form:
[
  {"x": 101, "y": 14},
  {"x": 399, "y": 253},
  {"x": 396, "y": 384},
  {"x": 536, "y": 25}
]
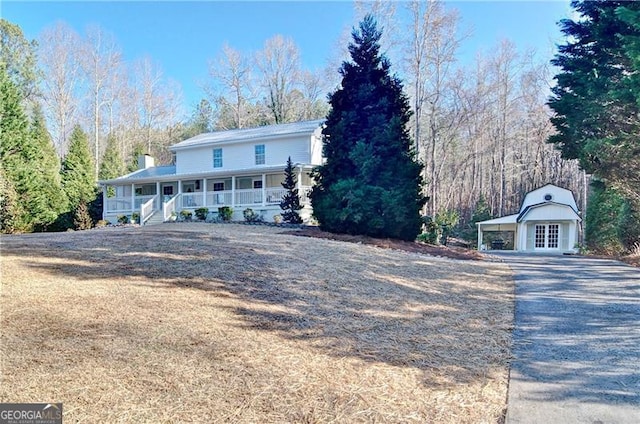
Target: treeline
[{"x": 481, "y": 128}]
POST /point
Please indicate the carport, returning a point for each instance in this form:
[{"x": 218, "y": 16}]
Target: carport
[{"x": 503, "y": 224}]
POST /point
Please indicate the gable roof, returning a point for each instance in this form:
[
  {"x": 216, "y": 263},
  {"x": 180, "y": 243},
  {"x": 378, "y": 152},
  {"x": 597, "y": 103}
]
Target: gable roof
[
  {"x": 556, "y": 194},
  {"x": 244, "y": 134}
]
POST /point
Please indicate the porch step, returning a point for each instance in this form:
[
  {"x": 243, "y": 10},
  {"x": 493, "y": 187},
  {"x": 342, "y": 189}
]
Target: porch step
[{"x": 155, "y": 219}]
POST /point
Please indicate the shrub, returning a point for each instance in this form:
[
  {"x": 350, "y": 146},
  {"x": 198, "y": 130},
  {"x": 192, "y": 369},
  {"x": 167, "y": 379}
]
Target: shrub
[
  {"x": 81, "y": 218},
  {"x": 135, "y": 218},
  {"x": 277, "y": 219},
  {"x": 186, "y": 214},
  {"x": 123, "y": 219},
  {"x": 102, "y": 223},
  {"x": 225, "y": 213},
  {"x": 201, "y": 213},
  {"x": 251, "y": 216}
]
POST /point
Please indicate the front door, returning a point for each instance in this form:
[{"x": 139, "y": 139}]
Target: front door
[{"x": 547, "y": 236}]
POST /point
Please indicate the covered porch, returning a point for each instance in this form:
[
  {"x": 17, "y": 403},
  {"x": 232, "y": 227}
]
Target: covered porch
[{"x": 162, "y": 197}]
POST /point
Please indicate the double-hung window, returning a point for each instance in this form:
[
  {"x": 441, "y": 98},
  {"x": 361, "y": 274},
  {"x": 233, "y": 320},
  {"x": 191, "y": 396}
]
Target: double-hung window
[
  {"x": 217, "y": 158},
  {"x": 260, "y": 154}
]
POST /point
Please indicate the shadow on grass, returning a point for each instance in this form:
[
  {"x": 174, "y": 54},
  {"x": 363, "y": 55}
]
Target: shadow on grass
[{"x": 342, "y": 299}]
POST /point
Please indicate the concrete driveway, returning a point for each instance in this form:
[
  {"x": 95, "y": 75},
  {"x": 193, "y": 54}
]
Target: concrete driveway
[{"x": 576, "y": 341}]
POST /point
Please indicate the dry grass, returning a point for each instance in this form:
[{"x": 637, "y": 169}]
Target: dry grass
[{"x": 228, "y": 323}]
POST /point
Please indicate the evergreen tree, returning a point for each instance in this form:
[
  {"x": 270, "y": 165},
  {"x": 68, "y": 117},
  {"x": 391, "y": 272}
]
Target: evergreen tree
[
  {"x": 10, "y": 212},
  {"x": 14, "y": 135},
  {"x": 371, "y": 182},
  {"x": 48, "y": 200},
  {"x": 112, "y": 165},
  {"x": 291, "y": 201},
  {"x": 596, "y": 101},
  {"x": 78, "y": 171},
  {"x": 138, "y": 150}
]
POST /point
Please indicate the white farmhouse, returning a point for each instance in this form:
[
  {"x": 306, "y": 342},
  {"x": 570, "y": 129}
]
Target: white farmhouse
[
  {"x": 547, "y": 222},
  {"x": 240, "y": 168}
]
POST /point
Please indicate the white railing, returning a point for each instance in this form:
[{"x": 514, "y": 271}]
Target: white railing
[
  {"x": 140, "y": 200},
  {"x": 275, "y": 195},
  {"x": 118, "y": 204},
  {"x": 304, "y": 194},
  {"x": 219, "y": 198},
  {"x": 169, "y": 207},
  {"x": 191, "y": 200},
  {"x": 248, "y": 196},
  {"x": 146, "y": 209}
]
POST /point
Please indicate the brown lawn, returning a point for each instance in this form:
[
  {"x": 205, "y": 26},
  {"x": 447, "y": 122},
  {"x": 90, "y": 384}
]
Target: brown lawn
[{"x": 232, "y": 323}]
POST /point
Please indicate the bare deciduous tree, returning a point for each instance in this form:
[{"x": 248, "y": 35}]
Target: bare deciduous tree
[
  {"x": 61, "y": 68},
  {"x": 279, "y": 66}
]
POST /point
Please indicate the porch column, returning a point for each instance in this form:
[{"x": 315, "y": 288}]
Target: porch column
[
  {"x": 479, "y": 236},
  {"x": 233, "y": 192},
  {"x": 204, "y": 192},
  {"x": 264, "y": 189},
  {"x": 159, "y": 198},
  {"x": 299, "y": 182},
  {"x": 104, "y": 202},
  {"x": 133, "y": 198},
  {"x": 179, "y": 186},
  {"x": 179, "y": 192}
]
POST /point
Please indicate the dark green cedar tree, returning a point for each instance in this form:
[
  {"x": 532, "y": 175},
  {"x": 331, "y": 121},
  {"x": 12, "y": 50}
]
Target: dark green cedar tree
[
  {"x": 597, "y": 107},
  {"x": 370, "y": 183}
]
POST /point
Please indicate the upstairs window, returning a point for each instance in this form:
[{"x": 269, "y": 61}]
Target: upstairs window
[
  {"x": 217, "y": 158},
  {"x": 260, "y": 155}
]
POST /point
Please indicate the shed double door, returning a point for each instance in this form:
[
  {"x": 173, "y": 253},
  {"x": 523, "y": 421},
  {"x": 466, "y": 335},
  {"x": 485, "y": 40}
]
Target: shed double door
[{"x": 547, "y": 236}]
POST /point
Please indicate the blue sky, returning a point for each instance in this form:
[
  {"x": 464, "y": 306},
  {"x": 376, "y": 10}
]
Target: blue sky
[{"x": 183, "y": 36}]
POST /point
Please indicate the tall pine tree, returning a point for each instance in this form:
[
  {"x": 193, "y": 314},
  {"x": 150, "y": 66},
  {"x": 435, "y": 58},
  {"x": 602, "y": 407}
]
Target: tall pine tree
[
  {"x": 78, "y": 171},
  {"x": 371, "y": 182},
  {"x": 290, "y": 204}
]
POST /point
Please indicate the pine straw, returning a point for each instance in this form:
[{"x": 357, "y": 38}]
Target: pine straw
[{"x": 229, "y": 323}]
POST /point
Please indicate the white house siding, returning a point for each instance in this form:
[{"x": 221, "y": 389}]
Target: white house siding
[
  {"x": 198, "y": 159},
  {"x": 316, "y": 147},
  {"x": 242, "y": 156}
]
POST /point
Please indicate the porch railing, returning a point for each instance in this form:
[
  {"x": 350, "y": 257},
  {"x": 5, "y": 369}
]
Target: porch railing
[
  {"x": 146, "y": 209},
  {"x": 219, "y": 198},
  {"x": 140, "y": 200},
  {"x": 192, "y": 200},
  {"x": 275, "y": 195},
  {"x": 118, "y": 204},
  {"x": 248, "y": 196},
  {"x": 169, "y": 207}
]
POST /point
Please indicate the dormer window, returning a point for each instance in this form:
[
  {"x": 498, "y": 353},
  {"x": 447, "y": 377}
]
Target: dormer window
[{"x": 548, "y": 197}]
